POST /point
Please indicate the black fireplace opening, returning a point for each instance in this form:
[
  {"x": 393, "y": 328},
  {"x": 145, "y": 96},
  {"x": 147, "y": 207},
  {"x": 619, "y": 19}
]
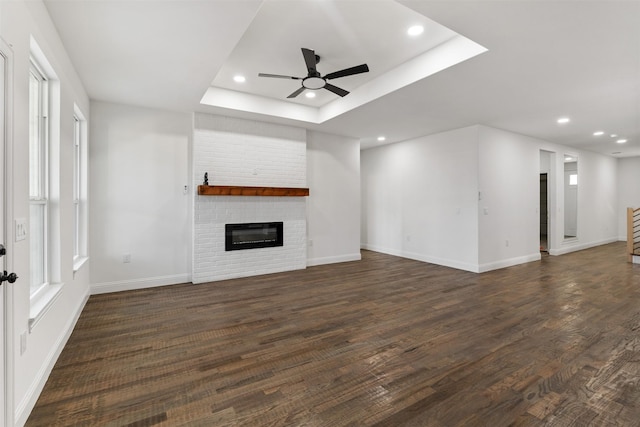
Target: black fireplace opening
[{"x": 253, "y": 235}]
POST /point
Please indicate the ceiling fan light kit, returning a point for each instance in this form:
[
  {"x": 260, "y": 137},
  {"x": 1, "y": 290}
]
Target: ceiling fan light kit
[
  {"x": 313, "y": 83},
  {"x": 314, "y": 80}
]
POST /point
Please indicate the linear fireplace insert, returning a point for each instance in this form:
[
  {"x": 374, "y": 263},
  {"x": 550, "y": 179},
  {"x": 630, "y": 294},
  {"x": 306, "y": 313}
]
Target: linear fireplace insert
[{"x": 253, "y": 235}]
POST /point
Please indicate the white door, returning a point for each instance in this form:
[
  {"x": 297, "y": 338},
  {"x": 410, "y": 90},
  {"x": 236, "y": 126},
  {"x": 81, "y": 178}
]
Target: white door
[
  {"x": 6, "y": 294},
  {"x": 3, "y": 345}
]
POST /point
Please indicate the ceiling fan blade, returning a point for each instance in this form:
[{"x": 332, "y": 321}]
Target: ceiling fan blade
[
  {"x": 336, "y": 89},
  {"x": 278, "y": 76},
  {"x": 297, "y": 92},
  {"x": 310, "y": 60},
  {"x": 364, "y": 68}
]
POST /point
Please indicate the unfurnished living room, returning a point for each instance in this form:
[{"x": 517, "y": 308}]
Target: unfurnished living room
[{"x": 320, "y": 213}]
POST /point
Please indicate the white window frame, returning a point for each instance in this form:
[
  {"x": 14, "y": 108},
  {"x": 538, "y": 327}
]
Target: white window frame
[
  {"x": 80, "y": 255},
  {"x": 76, "y": 188},
  {"x": 46, "y": 193},
  {"x": 39, "y": 176}
]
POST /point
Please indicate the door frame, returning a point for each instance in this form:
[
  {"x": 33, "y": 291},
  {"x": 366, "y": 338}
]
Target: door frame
[
  {"x": 547, "y": 232},
  {"x": 550, "y": 168},
  {"x": 6, "y": 188}
]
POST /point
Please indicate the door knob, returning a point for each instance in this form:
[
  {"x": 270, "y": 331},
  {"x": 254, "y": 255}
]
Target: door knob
[
  {"x": 3, "y": 251},
  {"x": 8, "y": 277}
]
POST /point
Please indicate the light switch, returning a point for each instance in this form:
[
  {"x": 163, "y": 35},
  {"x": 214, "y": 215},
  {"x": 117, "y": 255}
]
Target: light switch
[{"x": 21, "y": 229}]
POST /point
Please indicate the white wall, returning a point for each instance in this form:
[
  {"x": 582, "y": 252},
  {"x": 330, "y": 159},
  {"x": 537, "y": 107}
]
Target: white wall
[
  {"x": 420, "y": 199},
  {"x": 597, "y": 201},
  {"x": 139, "y": 168},
  {"x": 508, "y": 182},
  {"x": 628, "y": 181},
  {"x": 333, "y": 205},
  {"x": 18, "y": 22},
  {"x": 428, "y": 189}
]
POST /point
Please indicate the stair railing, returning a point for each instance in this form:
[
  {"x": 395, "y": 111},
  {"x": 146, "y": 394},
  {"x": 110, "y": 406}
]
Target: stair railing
[{"x": 633, "y": 233}]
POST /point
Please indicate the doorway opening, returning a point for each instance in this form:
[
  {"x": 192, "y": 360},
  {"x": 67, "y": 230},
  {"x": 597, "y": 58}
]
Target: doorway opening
[
  {"x": 544, "y": 212},
  {"x": 546, "y": 203}
]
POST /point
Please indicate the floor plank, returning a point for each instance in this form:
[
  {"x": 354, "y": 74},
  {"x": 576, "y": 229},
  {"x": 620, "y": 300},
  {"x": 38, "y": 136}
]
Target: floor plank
[{"x": 381, "y": 342}]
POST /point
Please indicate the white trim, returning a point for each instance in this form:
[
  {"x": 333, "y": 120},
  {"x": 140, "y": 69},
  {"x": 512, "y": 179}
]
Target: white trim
[
  {"x": 333, "y": 259},
  {"x": 23, "y": 410},
  {"x": 8, "y": 310},
  {"x": 129, "y": 285},
  {"x": 572, "y": 247},
  {"x": 509, "y": 262},
  {"x": 474, "y": 268},
  {"x": 42, "y": 302},
  {"x": 81, "y": 204},
  {"x": 78, "y": 262}
]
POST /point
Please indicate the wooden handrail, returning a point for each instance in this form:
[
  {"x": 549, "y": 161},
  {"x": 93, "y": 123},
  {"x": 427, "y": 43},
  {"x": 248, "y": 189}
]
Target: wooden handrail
[{"x": 633, "y": 233}]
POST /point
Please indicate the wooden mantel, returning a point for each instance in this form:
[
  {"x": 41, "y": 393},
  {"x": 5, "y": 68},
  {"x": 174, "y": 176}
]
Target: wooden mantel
[{"x": 230, "y": 190}]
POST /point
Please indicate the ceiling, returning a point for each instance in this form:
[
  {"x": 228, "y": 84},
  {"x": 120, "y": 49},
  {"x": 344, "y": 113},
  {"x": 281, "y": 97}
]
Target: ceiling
[{"x": 519, "y": 65}]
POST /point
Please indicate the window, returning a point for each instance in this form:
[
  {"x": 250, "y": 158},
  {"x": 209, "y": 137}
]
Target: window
[
  {"x": 79, "y": 189},
  {"x": 38, "y": 181},
  {"x": 44, "y": 185},
  {"x": 76, "y": 188}
]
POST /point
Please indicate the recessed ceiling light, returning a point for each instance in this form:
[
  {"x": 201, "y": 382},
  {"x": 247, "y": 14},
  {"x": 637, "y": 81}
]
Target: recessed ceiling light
[
  {"x": 563, "y": 120},
  {"x": 416, "y": 30},
  {"x": 310, "y": 94},
  {"x": 381, "y": 138},
  {"x": 239, "y": 79},
  {"x": 598, "y": 133},
  {"x": 621, "y": 141},
  {"x": 614, "y": 135}
]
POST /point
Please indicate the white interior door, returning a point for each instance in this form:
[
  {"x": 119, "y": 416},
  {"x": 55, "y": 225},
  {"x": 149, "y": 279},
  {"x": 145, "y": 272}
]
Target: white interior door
[
  {"x": 6, "y": 217},
  {"x": 3, "y": 226}
]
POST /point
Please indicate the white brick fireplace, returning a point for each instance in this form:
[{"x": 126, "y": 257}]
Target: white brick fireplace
[{"x": 238, "y": 152}]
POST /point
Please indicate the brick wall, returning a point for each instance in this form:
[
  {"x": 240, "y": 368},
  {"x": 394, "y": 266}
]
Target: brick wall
[{"x": 239, "y": 152}]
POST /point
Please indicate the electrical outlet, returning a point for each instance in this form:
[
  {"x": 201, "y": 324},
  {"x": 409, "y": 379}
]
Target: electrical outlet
[
  {"x": 506, "y": 243},
  {"x": 21, "y": 229},
  {"x": 126, "y": 258}
]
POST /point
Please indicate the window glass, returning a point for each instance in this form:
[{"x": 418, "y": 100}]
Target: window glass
[{"x": 38, "y": 180}]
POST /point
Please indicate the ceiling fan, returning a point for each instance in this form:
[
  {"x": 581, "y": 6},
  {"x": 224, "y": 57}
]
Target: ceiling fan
[{"x": 314, "y": 80}]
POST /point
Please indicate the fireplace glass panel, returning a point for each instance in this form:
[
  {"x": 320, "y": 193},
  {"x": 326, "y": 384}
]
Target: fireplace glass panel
[{"x": 253, "y": 235}]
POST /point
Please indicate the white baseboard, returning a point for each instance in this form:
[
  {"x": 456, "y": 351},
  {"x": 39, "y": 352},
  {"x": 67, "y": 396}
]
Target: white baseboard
[
  {"x": 333, "y": 259},
  {"x": 23, "y": 409},
  {"x": 577, "y": 246},
  {"x": 129, "y": 285},
  {"x": 509, "y": 262},
  {"x": 474, "y": 268}
]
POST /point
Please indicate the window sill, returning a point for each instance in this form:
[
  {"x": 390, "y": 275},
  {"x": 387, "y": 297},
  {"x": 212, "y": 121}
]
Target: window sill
[
  {"x": 78, "y": 263},
  {"x": 42, "y": 302}
]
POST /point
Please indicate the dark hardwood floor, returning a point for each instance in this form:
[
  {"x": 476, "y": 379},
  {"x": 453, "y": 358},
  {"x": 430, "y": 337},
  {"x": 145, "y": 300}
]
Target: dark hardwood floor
[{"x": 381, "y": 342}]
